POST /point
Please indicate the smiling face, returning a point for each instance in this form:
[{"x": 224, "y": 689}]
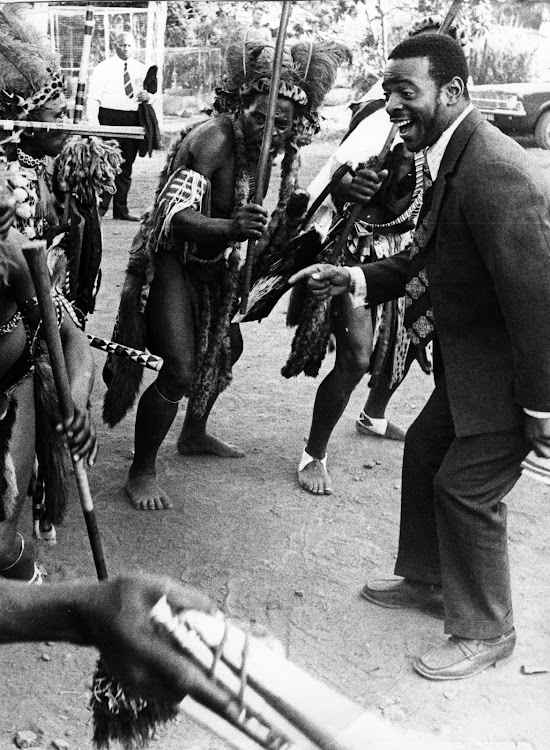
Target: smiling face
[
  {"x": 253, "y": 119},
  {"x": 417, "y": 104}
]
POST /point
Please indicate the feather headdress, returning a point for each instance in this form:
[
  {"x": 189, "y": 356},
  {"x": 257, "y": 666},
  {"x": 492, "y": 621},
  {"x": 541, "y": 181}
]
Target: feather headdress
[
  {"x": 308, "y": 72},
  {"x": 28, "y": 75}
]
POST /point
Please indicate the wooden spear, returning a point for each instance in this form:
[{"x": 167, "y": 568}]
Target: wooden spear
[
  {"x": 263, "y": 162},
  {"x": 35, "y": 255}
]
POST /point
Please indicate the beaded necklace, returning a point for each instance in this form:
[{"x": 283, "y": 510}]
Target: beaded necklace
[{"x": 31, "y": 161}]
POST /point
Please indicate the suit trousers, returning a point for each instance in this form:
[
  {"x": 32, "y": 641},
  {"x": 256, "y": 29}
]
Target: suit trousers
[
  {"x": 453, "y": 521},
  {"x": 129, "y": 148}
]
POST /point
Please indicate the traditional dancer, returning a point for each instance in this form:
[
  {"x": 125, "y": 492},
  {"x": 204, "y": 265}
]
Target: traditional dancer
[
  {"x": 373, "y": 341},
  {"x": 31, "y": 88},
  {"x": 58, "y": 177},
  {"x": 182, "y": 284},
  {"x": 391, "y": 200},
  {"x": 26, "y": 398}
]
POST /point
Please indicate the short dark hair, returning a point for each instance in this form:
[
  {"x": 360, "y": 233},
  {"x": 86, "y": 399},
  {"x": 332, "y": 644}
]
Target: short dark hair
[{"x": 447, "y": 60}]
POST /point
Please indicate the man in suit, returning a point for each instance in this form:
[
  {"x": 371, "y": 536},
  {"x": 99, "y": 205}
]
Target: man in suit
[
  {"x": 478, "y": 275},
  {"x": 114, "y": 95}
]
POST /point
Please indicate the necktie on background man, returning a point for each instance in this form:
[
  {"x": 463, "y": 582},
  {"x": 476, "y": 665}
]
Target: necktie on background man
[
  {"x": 419, "y": 319},
  {"x": 128, "y": 88}
]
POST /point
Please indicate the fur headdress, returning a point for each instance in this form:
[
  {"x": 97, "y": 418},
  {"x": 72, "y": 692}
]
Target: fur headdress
[
  {"x": 28, "y": 70},
  {"x": 308, "y": 72}
]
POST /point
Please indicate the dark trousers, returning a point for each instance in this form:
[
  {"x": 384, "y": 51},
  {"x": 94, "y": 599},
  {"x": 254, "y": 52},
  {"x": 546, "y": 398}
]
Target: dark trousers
[
  {"x": 453, "y": 520},
  {"x": 129, "y": 148}
]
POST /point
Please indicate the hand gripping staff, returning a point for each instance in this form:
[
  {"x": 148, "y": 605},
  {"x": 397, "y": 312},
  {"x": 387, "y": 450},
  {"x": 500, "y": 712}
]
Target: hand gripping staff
[
  {"x": 378, "y": 161},
  {"x": 263, "y": 162},
  {"x": 35, "y": 255}
]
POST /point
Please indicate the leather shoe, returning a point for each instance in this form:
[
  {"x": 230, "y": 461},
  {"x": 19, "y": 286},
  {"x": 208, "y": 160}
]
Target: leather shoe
[
  {"x": 125, "y": 217},
  {"x": 459, "y": 658},
  {"x": 405, "y": 594}
]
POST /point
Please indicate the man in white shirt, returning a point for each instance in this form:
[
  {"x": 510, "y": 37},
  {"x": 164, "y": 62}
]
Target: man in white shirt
[
  {"x": 114, "y": 94},
  {"x": 479, "y": 259}
]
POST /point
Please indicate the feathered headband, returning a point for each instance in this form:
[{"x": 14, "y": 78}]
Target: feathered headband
[
  {"x": 28, "y": 78},
  {"x": 308, "y": 72}
]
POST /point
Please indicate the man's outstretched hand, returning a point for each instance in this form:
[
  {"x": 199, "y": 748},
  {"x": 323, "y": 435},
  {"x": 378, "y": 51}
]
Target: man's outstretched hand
[{"x": 324, "y": 280}]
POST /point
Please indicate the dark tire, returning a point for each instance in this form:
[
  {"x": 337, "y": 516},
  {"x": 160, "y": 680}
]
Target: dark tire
[{"x": 542, "y": 131}]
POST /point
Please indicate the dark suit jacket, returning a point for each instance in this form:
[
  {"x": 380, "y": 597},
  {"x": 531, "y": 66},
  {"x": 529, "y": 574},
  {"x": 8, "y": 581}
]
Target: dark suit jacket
[{"x": 488, "y": 264}]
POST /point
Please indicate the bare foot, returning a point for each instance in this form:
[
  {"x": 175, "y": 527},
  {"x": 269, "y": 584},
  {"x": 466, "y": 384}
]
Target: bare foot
[
  {"x": 146, "y": 494},
  {"x": 207, "y": 445},
  {"x": 315, "y": 478}
]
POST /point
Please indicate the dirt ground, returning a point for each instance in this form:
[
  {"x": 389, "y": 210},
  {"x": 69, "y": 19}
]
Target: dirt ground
[{"x": 269, "y": 553}]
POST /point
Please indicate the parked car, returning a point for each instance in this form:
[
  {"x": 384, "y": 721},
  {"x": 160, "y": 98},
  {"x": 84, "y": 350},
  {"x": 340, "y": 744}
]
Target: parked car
[{"x": 517, "y": 108}]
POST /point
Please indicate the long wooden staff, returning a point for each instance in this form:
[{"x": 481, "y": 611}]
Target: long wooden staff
[
  {"x": 263, "y": 162},
  {"x": 35, "y": 255}
]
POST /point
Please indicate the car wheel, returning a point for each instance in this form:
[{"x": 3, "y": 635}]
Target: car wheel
[{"x": 542, "y": 130}]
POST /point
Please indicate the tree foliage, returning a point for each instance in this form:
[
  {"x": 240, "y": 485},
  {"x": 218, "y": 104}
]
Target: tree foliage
[{"x": 369, "y": 27}]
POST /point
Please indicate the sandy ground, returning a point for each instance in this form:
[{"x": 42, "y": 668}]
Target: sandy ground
[{"x": 271, "y": 554}]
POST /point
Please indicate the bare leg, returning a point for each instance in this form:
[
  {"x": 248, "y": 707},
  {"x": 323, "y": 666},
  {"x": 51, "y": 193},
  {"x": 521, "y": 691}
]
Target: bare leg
[
  {"x": 170, "y": 327},
  {"x": 153, "y": 420},
  {"x": 194, "y": 440},
  {"x": 353, "y": 331}
]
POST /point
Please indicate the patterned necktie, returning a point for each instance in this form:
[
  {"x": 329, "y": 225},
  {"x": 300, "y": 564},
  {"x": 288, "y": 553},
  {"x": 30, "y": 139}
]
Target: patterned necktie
[
  {"x": 419, "y": 317},
  {"x": 128, "y": 88}
]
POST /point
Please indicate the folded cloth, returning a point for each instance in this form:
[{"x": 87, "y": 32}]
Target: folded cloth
[
  {"x": 150, "y": 82},
  {"x": 148, "y": 117},
  {"x": 536, "y": 467},
  {"x": 148, "y": 121}
]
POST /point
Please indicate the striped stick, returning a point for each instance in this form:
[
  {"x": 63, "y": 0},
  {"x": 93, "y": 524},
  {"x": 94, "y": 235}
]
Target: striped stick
[
  {"x": 102, "y": 131},
  {"x": 84, "y": 62},
  {"x": 151, "y": 361}
]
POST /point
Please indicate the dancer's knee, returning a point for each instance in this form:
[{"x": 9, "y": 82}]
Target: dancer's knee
[
  {"x": 174, "y": 383},
  {"x": 353, "y": 364}
]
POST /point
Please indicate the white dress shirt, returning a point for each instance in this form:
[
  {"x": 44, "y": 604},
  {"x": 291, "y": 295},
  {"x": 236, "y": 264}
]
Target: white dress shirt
[{"x": 106, "y": 86}]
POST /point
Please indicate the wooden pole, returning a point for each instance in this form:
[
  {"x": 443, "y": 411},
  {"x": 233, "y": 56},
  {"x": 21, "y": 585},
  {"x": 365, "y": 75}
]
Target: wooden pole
[
  {"x": 35, "y": 255},
  {"x": 84, "y": 63},
  {"x": 263, "y": 162}
]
